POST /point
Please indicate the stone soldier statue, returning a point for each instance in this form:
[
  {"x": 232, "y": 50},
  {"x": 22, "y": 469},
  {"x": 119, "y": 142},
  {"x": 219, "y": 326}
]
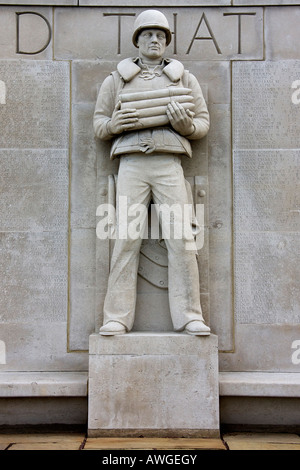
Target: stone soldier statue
[{"x": 150, "y": 108}]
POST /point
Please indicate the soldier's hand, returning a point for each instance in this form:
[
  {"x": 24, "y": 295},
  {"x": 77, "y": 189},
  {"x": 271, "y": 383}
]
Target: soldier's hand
[
  {"x": 180, "y": 119},
  {"x": 122, "y": 119}
]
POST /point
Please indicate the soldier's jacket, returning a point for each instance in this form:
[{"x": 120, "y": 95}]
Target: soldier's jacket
[{"x": 128, "y": 78}]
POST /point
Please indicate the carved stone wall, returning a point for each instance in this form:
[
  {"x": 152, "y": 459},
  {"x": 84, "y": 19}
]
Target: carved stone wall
[{"x": 54, "y": 55}]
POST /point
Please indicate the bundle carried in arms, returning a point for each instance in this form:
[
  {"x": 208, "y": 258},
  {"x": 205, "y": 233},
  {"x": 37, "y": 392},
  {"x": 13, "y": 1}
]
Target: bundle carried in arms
[{"x": 152, "y": 105}]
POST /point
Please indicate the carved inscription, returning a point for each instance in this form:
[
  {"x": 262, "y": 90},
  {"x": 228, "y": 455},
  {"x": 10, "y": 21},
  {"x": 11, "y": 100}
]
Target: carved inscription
[
  {"x": 267, "y": 273},
  {"x": 203, "y": 31},
  {"x": 264, "y": 116},
  {"x": 267, "y": 224},
  {"x": 198, "y": 33},
  {"x": 48, "y": 28},
  {"x": 34, "y": 190},
  {"x": 267, "y": 190},
  {"x": 34, "y": 276},
  {"x": 119, "y": 16},
  {"x": 36, "y": 114}
]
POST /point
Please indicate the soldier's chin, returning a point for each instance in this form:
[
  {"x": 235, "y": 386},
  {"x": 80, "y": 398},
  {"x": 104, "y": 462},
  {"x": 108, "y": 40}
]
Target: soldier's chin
[{"x": 154, "y": 50}]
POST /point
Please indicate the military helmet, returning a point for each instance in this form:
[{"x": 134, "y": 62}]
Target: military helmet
[{"x": 151, "y": 19}]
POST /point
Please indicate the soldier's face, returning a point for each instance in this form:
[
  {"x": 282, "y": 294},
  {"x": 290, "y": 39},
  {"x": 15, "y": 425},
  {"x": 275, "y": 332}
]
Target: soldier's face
[{"x": 152, "y": 43}]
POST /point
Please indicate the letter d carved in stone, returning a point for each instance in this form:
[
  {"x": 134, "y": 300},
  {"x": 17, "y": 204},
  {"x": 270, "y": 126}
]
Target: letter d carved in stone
[{"x": 49, "y": 32}]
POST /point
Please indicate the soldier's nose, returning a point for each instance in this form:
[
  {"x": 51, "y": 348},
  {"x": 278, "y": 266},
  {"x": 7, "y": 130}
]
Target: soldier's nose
[{"x": 154, "y": 38}]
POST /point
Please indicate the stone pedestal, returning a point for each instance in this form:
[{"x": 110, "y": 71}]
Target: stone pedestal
[{"x": 153, "y": 384}]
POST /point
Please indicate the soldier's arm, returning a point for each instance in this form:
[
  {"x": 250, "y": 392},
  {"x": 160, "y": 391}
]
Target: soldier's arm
[
  {"x": 201, "y": 119},
  {"x": 104, "y": 109},
  {"x": 109, "y": 119}
]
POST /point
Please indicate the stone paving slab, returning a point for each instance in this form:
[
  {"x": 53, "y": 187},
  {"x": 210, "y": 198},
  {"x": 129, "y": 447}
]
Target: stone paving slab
[
  {"x": 256, "y": 441},
  {"x": 64, "y": 445},
  {"x": 153, "y": 443},
  {"x": 57, "y": 441},
  {"x": 70, "y": 441},
  {"x": 4, "y": 446}
]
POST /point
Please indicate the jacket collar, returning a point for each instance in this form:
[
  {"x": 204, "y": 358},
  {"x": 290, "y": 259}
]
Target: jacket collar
[{"x": 129, "y": 68}]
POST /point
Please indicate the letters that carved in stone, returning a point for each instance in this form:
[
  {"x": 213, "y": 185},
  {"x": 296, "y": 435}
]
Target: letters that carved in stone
[
  {"x": 48, "y": 32},
  {"x": 204, "y": 31}
]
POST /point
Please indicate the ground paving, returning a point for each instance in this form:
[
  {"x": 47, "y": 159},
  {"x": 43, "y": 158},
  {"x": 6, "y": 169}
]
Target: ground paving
[{"x": 78, "y": 441}]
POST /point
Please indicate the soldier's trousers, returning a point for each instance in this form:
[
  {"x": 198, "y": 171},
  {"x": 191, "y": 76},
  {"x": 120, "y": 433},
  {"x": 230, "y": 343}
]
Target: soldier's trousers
[{"x": 140, "y": 179}]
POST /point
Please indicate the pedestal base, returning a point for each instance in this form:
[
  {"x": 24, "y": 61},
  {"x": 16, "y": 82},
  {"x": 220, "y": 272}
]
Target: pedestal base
[{"x": 153, "y": 384}]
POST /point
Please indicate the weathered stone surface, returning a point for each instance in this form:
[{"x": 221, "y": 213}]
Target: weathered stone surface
[
  {"x": 87, "y": 77},
  {"x": 283, "y": 33},
  {"x": 109, "y": 33},
  {"x": 221, "y": 287},
  {"x": 266, "y": 277},
  {"x": 46, "y": 411},
  {"x": 152, "y": 308},
  {"x": 36, "y": 113},
  {"x": 39, "y": 345},
  {"x": 33, "y": 31},
  {"x": 153, "y": 382},
  {"x": 214, "y": 78},
  {"x": 165, "y": 344},
  {"x": 267, "y": 190},
  {"x": 34, "y": 276},
  {"x": 263, "y": 347},
  {"x": 83, "y": 182},
  {"x": 34, "y": 190},
  {"x": 47, "y": 384},
  {"x": 259, "y": 384},
  {"x": 82, "y": 287},
  {"x": 266, "y": 214},
  {"x": 220, "y": 224},
  {"x": 281, "y": 412},
  {"x": 264, "y": 114},
  {"x": 103, "y": 249}
]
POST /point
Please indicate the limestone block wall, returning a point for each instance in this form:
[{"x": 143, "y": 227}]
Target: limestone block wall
[
  {"x": 265, "y": 133},
  {"x": 54, "y": 55}
]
